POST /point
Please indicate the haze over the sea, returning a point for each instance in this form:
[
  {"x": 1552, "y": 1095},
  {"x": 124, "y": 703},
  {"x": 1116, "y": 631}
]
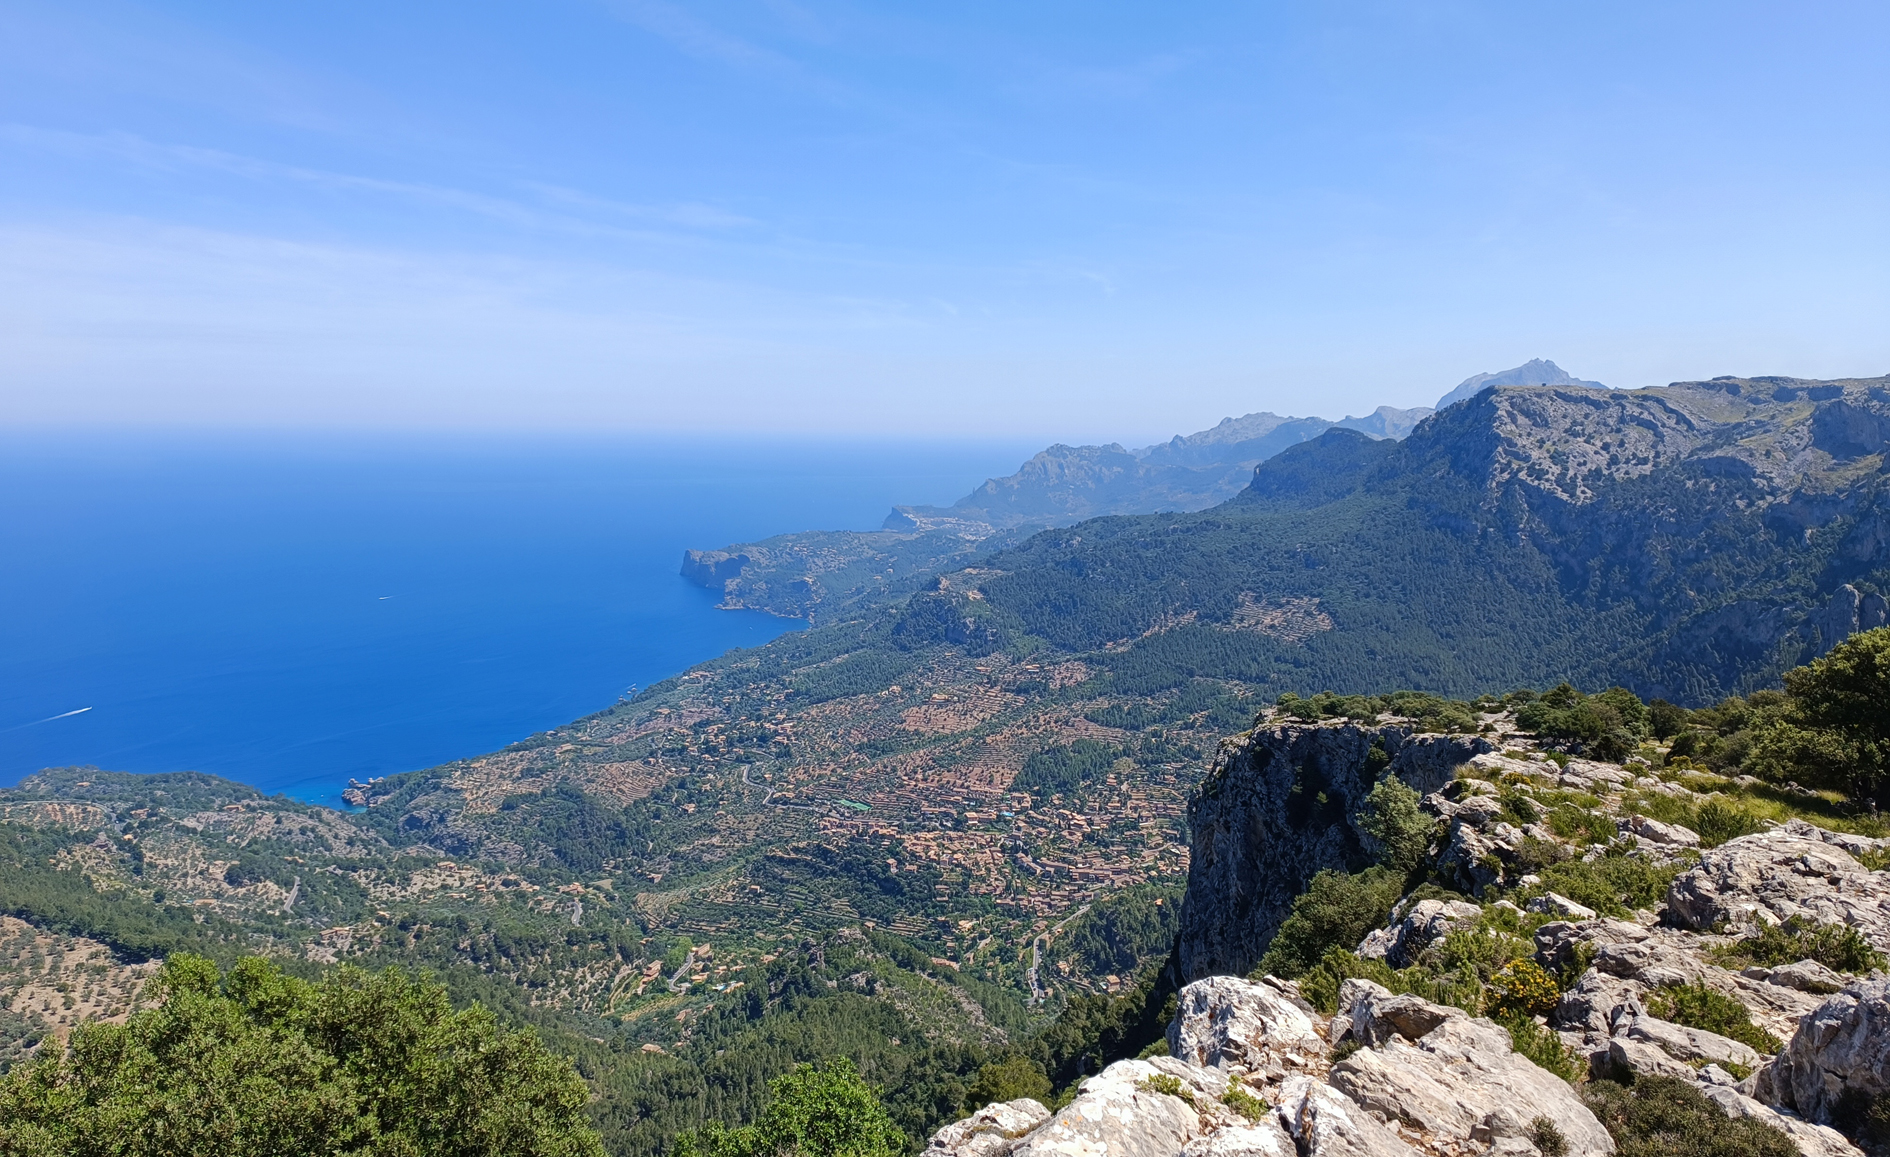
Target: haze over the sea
[
  {"x": 290, "y": 611},
  {"x": 1100, "y": 222}
]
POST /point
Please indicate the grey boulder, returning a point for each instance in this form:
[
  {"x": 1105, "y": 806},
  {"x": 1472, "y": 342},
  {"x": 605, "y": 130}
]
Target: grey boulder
[
  {"x": 1807, "y": 976},
  {"x": 1223, "y": 1022},
  {"x": 1812, "y": 1140},
  {"x": 1843, "y": 1046},
  {"x": 1117, "y": 1114},
  {"x": 1458, "y": 1080},
  {"x": 1427, "y": 923},
  {"x": 1688, "y": 1044},
  {"x": 1556, "y": 904},
  {"x": 992, "y": 1131},
  {"x": 1326, "y": 1124},
  {"x": 1797, "y": 871},
  {"x": 1645, "y": 1060}
]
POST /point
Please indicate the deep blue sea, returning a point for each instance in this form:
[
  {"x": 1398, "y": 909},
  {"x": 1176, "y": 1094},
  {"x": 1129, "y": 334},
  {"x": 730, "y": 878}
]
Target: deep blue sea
[{"x": 290, "y": 611}]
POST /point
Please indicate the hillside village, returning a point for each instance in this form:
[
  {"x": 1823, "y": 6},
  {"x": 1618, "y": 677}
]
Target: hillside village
[{"x": 1584, "y": 939}]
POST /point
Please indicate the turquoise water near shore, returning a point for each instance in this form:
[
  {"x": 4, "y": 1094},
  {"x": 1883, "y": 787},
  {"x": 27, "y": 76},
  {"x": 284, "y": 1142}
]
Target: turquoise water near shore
[{"x": 293, "y": 611}]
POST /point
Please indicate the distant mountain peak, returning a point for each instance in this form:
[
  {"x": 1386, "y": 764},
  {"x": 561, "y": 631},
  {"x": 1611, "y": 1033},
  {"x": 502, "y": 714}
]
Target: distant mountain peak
[
  {"x": 1387, "y": 421},
  {"x": 1535, "y": 372}
]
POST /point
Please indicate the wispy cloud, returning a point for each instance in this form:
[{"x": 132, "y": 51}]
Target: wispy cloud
[
  {"x": 698, "y": 38},
  {"x": 165, "y": 157},
  {"x": 124, "y": 320},
  {"x": 686, "y": 214}
]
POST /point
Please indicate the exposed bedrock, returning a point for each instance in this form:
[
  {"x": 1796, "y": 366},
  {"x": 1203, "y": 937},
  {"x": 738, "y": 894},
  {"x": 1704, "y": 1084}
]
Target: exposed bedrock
[{"x": 1280, "y": 807}]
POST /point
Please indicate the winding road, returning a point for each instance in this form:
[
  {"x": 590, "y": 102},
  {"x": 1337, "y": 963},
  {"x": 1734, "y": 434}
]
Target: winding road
[
  {"x": 1041, "y": 940},
  {"x": 769, "y": 799}
]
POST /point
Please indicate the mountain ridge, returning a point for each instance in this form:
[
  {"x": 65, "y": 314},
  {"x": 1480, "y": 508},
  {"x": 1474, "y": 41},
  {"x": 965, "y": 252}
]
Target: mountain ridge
[
  {"x": 823, "y": 576},
  {"x": 1535, "y": 372}
]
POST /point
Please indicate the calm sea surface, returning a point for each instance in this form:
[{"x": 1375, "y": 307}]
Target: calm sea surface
[{"x": 293, "y": 611}]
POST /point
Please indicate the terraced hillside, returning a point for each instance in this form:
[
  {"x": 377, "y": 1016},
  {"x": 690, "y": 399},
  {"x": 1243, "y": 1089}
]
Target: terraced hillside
[{"x": 956, "y": 830}]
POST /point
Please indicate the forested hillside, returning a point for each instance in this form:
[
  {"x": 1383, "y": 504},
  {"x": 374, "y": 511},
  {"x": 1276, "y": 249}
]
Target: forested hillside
[
  {"x": 947, "y": 838},
  {"x": 1689, "y": 542}
]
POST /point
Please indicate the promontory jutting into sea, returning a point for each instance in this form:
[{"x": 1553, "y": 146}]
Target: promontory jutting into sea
[{"x": 632, "y": 580}]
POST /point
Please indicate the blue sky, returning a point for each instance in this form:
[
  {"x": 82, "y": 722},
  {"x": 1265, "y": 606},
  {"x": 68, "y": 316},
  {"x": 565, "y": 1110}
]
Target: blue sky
[{"x": 1074, "y": 220}]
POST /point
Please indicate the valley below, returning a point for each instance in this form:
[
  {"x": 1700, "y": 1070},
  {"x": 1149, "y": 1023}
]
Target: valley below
[{"x": 1008, "y": 810}]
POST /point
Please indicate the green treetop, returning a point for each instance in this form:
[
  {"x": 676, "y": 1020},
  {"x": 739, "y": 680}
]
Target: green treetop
[
  {"x": 257, "y": 1062},
  {"x": 823, "y": 1110}
]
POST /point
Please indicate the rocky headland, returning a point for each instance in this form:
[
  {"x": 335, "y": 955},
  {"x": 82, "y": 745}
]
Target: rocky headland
[{"x": 1561, "y": 968}]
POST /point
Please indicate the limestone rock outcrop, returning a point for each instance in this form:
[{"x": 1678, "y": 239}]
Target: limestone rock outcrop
[
  {"x": 1124, "y": 1112},
  {"x": 1223, "y": 1022},
  {"x": 1258, "y": 840},
  {"x": 1812, "y": 1140},
  {"x": 990, "y": 1132},
  {"x": 1454, "y": 1078},
  {"x": 1326, "y": 1123},
  {"x": 1797, "y": 871},
  {"x": 1841, "y": 1047},
  {"x": 1396, "y": 1075},
  {"x": 1410, "y": 933},
  {"x": 1430, "y": 1081}
]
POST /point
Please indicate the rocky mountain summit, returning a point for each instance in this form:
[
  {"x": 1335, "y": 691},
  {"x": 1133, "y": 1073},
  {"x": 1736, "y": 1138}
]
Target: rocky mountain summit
[
  {"x": 1689, "y": 542},
  {"x": 1253, "y": 1068},
  {"x": 1561, "y": 967},
  {"x": 1534, "y": 372},
  {"x": 824, "y": 576}
]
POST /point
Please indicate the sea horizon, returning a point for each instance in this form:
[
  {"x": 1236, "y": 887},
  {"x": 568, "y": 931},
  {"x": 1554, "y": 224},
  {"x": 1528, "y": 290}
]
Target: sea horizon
[{"x": 291, "y": 611}]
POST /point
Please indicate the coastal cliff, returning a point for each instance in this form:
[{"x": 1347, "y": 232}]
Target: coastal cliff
[
  {"x": 1564, "y": 974},
  {"x": 1283, "y": 805}
]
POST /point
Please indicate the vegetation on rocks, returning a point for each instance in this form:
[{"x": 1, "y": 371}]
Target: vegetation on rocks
[
  {"x": 1697, "y": 1006},
  {"x": 1666, "y": 1117},
  {"x": 1335, "y": 911},
  {"x": 1836, "y": 947}
]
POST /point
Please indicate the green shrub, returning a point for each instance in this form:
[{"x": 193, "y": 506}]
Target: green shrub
[
  {"x": 1518, "y": 807},
  {"x": 1335, "y": 911},
  {"x": 1243, "y": 1102},
  {"x": 1613, "y": 747},
  {"x": 1836, "y": 946},
  {"x": 1320, "y": 984},
  {"x": 1403, "y": 830},
  {"x": 1718, "y": 821},
  {"x": 1842, "y": 695},
  {"x": 1660, "y": 806},
  {"x": 1628, "y": 709},
  {"x": 1167, "y": 1086},
  {"x": 1582, "y": 721},
  {"x": 1482, "y": 948},
  {"x": 259, "y": 1062},
  {"x": 1008, "y": 1079},
  {"x": 1668, "y": 1117},
  {"x": 823, "y": 1110},
  {"x": 1579, "y": 823},
  {"x": 1533, "y": 855},
  {"x": 1697, "y": 1006},
  {"x": 1459, "y": 988},
  {"x": 1547, "y": 1138},
  {"x": 1543, "y": 1048},
  {"x": 1611, "y": 885},
  {"x": 1581, "y": 956},
  {"x": 1686, "y": 745},
  {"x": 1665, "y": 720}
]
